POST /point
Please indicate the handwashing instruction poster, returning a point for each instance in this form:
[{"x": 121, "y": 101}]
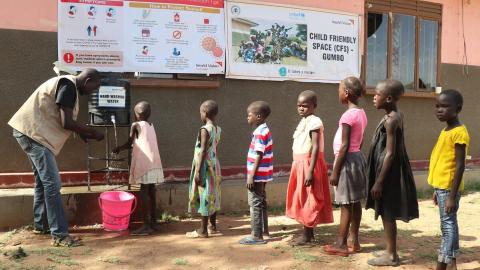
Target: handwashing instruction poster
[{"x": 164, "y": 36}]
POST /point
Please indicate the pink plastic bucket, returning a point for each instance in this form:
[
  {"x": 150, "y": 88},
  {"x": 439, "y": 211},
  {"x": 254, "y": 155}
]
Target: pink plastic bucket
[{"x": 116, "y": 209}]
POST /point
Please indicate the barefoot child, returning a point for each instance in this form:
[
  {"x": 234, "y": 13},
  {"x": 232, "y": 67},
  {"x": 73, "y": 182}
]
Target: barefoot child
[
  {"x": 146, "y": 165},
  {"x": 349, "y": 168},
  {"x": 447, "y": 164},
  {"x": 259, "y": 171},
  {"x": 391, "y": 187},
  {"x": 205, "y": 177},
  {"x": 308, "y": 195}
]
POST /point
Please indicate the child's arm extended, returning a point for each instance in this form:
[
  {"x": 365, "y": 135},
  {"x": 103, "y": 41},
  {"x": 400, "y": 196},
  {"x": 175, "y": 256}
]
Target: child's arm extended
[
  {"x": 204, "y": 137},
  {"x": 308, "y": 181},
  {"x": 457, "y": 177},
  {"x": 254, "y": 170},
  {"x": 346, "y": 130},
  {"x": 391, "y": 125},
  {"x": 134, "y": 130}
]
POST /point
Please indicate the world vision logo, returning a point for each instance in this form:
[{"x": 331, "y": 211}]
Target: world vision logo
[{"x": 349, "y": 22}]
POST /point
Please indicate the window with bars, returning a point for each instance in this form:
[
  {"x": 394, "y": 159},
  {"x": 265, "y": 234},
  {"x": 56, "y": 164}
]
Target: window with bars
[{"x": 403, "y": 43}]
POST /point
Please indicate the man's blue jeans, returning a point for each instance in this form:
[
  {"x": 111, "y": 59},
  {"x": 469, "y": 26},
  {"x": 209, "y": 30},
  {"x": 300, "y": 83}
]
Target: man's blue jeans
[
  {"x": 47, "y": 200},
  {"x": 450, "y": 247}
]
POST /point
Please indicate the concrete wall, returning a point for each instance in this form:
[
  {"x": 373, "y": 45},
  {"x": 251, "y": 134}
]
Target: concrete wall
[
  {"x": 175, "y": 111},
  {"x": 82, "y": 208}
]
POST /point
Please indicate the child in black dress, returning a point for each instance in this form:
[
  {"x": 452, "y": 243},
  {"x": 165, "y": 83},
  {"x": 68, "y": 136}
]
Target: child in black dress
[{"x": 391, "y": 187}]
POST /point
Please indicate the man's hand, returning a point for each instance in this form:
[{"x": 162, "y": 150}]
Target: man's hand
[
  {"x": 376, "y": 191},
  {"x": 334, "y": 179},
  {"x": 450, "y": 205},
  {"x": 308, "y": 180},
  {"x": 250, "y": 183},
  {"x": 434, "y": 198}
]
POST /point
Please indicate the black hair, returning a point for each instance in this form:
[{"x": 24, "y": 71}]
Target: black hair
[
  {"x": 310, "y": 96},
  {"x": 392, "y": 87},
  {"x": 143, "y": 109},
  {"x": 210, "y": 107},
  {"x": 354, "y": 86},
  {"x": 260, "y": 107},
  {"x": 455, "y": 95}
]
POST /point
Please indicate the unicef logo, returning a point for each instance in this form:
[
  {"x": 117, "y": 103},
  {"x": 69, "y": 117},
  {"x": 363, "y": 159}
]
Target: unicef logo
[
  {"x": 282, "y": 71},
  {"x": 235, "y": 10}
]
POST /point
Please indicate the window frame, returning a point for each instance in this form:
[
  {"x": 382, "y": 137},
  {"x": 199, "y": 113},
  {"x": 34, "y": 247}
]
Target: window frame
[{"x": 420, "y": 10}]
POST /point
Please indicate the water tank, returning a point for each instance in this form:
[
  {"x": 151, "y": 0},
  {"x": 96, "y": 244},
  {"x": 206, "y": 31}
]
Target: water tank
[{"x": 111, "y": 99}]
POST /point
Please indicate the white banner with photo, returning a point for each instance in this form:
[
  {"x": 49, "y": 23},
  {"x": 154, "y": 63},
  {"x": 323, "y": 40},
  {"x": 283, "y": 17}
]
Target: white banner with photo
[
  {"x": 161, "y": 36},
  {"x": 267, "y": 42}
]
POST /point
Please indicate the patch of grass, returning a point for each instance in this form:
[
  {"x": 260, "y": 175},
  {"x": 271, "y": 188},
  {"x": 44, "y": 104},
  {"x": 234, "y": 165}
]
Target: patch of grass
[
  {"x": 112, "y": 260},
  {"x": 87, "y": 252},
  {"x": 167, "y": 217},
  {"x": 472, "y": 186},
  {"x": 35, "y": 267},
  {"x": 301, "y": 255},
  {"x": 57, "y": 252},
  {"x": 62, "y": 260},
  {"x": 280, "y": 248},
  {"x": 424, "y": 194},
  {"x": 180, "y": 261},
  {"x": 428, "y": 256},
  {"x": 16, "y": 255},
  {"x": 276, "y": 210},
  {"x": 8, "y": 236}
]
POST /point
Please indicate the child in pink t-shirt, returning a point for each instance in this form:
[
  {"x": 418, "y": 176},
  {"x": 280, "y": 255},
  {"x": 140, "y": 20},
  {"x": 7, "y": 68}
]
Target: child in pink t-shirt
[{"x": 349, "y": 169}]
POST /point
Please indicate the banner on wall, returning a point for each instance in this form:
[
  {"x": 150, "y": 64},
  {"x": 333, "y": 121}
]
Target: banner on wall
[
  {"x": 266, "y": 42},
  {"x": 164, "y": 36},
  {"x": 90, "y": 34}
]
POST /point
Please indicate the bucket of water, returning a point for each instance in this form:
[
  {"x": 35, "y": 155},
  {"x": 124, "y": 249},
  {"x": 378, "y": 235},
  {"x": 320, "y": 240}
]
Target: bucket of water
[{"x": 116, "y": 209}]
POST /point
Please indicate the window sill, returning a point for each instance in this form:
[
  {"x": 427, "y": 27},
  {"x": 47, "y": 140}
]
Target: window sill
[
  {"x": 172, "y": 83},
  {"x": 411, "y": 94}
]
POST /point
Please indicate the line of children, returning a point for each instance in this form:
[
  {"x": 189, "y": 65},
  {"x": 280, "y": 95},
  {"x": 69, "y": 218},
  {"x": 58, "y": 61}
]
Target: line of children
[{"x": 386, "y": 180}]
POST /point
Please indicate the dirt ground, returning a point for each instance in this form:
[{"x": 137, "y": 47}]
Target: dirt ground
[{"x": 169, "y": 249}]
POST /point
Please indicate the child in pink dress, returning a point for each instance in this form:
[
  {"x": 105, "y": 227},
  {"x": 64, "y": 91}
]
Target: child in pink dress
[
  {"x": 308, "y": 195},
  {"x": 146, "y": 165}
]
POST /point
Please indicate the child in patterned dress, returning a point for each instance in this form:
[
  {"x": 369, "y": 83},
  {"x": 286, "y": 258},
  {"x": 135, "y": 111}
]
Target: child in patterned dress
[{"x": 205, "y": 177}]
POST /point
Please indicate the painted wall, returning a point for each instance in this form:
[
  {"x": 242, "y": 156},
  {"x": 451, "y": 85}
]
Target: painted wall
[
  {"x": 175, "y": 111},
  {"x": 41, "y": 15}
]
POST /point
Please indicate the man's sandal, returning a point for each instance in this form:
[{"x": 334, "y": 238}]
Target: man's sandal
[{"x": 66, "y": 241}]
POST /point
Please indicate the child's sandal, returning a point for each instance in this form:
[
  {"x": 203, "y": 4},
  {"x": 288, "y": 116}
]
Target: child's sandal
[{"x": 195, "y": 234}]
